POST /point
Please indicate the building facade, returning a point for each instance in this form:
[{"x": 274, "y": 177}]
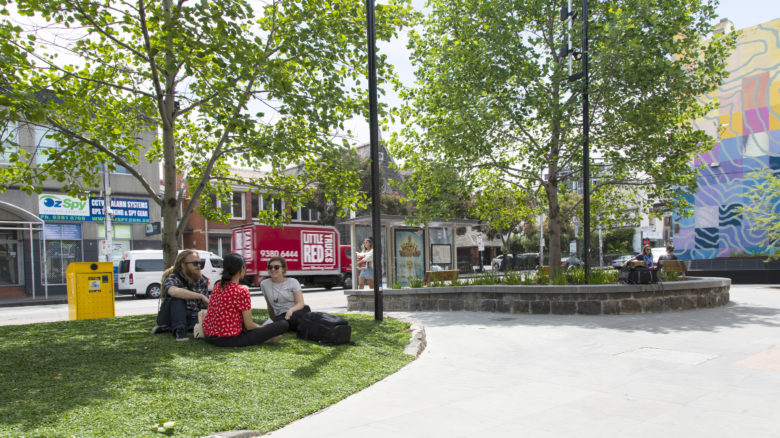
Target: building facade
[
  {"x": 41, "y": 234},
  {"x": 746, "y": 126}
]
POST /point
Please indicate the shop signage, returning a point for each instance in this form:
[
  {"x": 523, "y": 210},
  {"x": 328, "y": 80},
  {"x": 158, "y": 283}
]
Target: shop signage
[
  {"x": 122, "y": 210},
  {"x": 55, "y": 207},
  {"x": 62, "y": 231},
  {"x": 152, "y": 228},
  {"x": 62, "y": 208}
]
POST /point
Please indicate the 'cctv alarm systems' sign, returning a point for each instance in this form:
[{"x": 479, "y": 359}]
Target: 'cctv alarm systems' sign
[{"x": 55, "y": 207}]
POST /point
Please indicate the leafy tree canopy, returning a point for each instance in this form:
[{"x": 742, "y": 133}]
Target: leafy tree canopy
[
  {"x": 493, "y": 103},
  {"x": 221, "y": 84}
]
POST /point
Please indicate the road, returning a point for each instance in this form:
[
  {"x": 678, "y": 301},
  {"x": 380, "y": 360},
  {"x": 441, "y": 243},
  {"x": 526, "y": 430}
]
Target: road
[{"x": 317, "y": 299}]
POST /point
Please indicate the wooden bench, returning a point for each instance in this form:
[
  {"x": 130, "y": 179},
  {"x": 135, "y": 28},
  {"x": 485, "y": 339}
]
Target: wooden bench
[
  {"x": 445, "y": 275},
  {"x": 674, "y": 266}
]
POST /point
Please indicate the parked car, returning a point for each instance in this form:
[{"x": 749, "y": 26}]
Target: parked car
[
  {"x": 498, "y": 262},
  {"x": 620, "y": 261},
  {"x": 571, "y": 263},
  {"x": 528, "y": 260},
  {"x": 140, "y": 271}
]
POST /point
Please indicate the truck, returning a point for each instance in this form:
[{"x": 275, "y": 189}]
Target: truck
[{"x": 312, "y": 252}]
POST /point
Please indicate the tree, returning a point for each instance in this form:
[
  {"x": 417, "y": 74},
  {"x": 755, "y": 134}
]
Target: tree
[
  {"x": 764, "y": 208},
  {"x": 504, "y": 210},
  {"x": 494, "y": 104},
  {"x": 223, "y": 84}
]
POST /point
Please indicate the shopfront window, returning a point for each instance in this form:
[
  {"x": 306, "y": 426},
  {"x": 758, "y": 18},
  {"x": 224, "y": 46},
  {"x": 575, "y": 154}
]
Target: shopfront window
[{"x": 63, "y": 246}]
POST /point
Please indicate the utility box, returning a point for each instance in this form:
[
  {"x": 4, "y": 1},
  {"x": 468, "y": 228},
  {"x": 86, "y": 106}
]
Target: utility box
[{"x": 90, "y": 290}]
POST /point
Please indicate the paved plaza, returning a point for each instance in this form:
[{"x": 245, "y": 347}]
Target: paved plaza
[{"x": 701, "y": 373}]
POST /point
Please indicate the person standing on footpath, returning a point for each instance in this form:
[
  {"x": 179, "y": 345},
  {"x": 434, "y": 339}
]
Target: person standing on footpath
[
  {"x": 366, "y": 264},
  {"x": 184, "y": 292},
  {"x": 228, "y": 321}
]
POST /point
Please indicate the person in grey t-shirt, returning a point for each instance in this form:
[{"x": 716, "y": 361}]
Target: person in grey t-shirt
[{"x": 283, "y": 295}]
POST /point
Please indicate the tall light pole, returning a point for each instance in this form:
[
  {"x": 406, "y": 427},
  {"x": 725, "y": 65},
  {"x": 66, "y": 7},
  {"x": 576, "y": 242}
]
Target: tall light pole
[
  {"x": 376, "y": 222},
  {"x": 566, "y": 14}
]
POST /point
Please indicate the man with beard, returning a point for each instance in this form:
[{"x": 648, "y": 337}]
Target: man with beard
[{"x": 184, "y": 293}]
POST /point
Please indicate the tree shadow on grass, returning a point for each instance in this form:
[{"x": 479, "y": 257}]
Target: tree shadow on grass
[
  {"x": 82, "y": 369},
  {"x": 366, "y": 335}
]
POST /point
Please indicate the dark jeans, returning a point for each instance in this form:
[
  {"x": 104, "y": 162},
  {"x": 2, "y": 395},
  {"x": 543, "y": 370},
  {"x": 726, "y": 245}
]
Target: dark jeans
[
  {"x": 174, "y": 314},
  {"x": 294, "y": 318},
  {"x": 250, "y": 337}
]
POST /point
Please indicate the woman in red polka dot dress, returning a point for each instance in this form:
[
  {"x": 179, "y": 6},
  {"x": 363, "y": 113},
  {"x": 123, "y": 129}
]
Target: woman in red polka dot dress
[{"x": 228, "y": 322}]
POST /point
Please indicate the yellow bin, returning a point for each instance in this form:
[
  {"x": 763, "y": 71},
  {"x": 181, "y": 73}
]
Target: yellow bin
[{"x": 90, "y": 290}]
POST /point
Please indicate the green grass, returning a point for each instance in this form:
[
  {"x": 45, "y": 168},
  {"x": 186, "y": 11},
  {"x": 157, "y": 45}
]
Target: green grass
[{"x": 110, "y": 377}]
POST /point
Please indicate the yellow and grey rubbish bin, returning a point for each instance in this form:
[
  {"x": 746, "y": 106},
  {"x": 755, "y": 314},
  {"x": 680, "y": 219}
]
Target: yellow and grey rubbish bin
[{"x": 90, "y": 290}]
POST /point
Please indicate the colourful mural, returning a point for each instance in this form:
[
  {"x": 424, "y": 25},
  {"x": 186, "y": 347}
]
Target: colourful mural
[{"x": 747, "y": 126}]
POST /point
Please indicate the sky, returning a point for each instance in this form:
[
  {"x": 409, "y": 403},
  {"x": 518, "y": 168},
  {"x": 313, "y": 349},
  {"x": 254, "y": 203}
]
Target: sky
[{"x": 743, "y": 13}]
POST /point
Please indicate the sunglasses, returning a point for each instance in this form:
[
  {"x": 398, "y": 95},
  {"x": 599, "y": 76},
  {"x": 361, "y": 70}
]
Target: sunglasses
[
  {"x": 198, "y": 263},
  {"x": 274, "y": 267}
]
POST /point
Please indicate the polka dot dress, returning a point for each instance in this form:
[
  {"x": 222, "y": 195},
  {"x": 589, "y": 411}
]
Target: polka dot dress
[{"x": 224, "y": 317}]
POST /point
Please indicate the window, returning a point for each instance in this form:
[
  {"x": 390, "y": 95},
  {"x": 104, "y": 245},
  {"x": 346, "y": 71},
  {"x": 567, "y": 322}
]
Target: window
[
  {"x": 234, "y": 209},
  {"x": 305, "y": 214},
  {"x": 219, "y": 245},
  {"x": 9, "y": 140},
  {"x": 44, "y": 145},
  {"x": 149, "y": 265},
  {"x": 265, "y": 202},
  {"x": 120, "y": 170}
]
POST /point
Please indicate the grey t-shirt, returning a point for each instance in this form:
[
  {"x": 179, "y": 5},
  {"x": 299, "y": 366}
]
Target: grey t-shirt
[{"x": 280, "y": 295}]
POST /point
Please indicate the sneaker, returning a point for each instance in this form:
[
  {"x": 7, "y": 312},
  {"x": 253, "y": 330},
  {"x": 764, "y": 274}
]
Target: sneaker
[
  {"x": 181, "y": 334},
  {"x": 160, "y": 329}
]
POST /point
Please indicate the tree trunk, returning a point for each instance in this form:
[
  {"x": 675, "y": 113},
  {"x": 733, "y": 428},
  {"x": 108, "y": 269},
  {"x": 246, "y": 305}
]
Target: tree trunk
[
  {"x": 554, "y": 221},
  {"x": 170, "y": 204}
]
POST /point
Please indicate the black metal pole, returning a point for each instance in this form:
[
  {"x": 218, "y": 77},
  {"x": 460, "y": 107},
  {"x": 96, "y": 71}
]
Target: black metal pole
[
  {"x": 585, "y": 142},
  {"x": 376, "y": 222}
]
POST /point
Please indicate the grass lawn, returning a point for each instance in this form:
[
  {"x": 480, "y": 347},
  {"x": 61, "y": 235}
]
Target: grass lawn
[{"x": 110, "y": 377}]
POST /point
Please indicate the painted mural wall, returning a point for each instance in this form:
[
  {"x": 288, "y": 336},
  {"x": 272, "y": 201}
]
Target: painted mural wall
[{"x": 747, "y": 127}]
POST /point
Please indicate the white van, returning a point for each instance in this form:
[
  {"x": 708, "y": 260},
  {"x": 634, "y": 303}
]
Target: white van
[{"x": 140, "y": 271}]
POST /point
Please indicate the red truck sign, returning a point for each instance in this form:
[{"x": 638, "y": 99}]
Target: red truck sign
[{"x": 311, "y": 251}]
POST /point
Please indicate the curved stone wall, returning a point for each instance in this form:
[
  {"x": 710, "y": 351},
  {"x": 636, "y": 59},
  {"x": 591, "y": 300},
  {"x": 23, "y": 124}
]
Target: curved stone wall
[{"x": 610, "y": 299}]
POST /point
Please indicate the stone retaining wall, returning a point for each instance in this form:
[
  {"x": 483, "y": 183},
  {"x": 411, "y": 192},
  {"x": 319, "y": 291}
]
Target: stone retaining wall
[{"x": 611, "y": 299}]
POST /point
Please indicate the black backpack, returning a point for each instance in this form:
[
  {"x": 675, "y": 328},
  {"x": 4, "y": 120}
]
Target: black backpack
[
  {"x": 324, "y": 328},
  {"x": 638, "y": 275}
]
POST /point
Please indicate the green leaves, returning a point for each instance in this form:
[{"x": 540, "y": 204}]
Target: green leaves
[
  {"x": 223, "y": 83},
  {"x": 493, "y": 104}
]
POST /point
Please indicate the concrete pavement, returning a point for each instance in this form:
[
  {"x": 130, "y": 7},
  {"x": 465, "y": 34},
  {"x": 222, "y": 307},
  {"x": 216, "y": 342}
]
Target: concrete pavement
[{"x": 703, "y": 373}]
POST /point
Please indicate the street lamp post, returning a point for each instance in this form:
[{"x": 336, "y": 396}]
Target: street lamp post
[
  {"x": 566, "y": 14},
  {"x": 374, "y": 138}
]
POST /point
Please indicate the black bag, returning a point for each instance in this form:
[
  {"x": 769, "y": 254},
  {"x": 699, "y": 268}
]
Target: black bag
[
  {"x": 638, "y": 275},
  {"x": 324, "y": 328}
]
